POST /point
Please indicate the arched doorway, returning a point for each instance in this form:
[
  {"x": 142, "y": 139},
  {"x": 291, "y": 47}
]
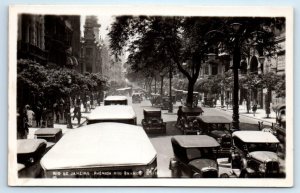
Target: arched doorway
[{"x": 254, "y": 65}]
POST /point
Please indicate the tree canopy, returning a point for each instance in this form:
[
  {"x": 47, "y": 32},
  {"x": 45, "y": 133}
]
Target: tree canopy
[{"x": 186, "y": 41}]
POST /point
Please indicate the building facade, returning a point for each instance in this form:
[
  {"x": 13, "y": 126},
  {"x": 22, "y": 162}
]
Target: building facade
[
  {"x": 91, "y": 46},
  {"x": 49, "y": 39}
]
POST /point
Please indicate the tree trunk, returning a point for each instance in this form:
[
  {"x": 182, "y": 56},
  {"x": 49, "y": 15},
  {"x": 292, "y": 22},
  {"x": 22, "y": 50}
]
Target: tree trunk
[
  {"x": 161, "y": 86},
  {"x": 189, "y": 98}
]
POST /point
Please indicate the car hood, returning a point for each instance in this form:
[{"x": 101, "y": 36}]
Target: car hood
[
  {"x": 199, "y": 164},
  {"x": 264, "y": 155}
]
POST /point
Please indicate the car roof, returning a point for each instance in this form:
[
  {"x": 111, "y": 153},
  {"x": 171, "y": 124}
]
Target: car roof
[
  {"x": 194, "y": 141},
  {"x": 152, "y": 110},
  {"x": 255, "y": 136},
  {"x": 26, "y": 146},
  {"x": 47, "y": 131},
  {"x": 101, "y": 145},
  {"x": 115, "y": 98},
  {"x": 112, "y": 112},
  {"x": 215, "y": 119}
]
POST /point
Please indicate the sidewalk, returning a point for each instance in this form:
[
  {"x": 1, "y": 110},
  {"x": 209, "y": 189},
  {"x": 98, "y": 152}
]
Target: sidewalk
[
  {"x": 260, "y": 114},
  {"x": 63, "y": 127}
]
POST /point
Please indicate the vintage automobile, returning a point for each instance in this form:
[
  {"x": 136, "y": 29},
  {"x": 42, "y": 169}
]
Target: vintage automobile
[
  {"x": 189, "y": 123},
  {"x": 49, "y": 134},
  {"x": 137, "y": 98},
  {"x": 280, "y": 127},
  {"x": 155, "y": 99},
  {"x": 196, "y": 97},
  {"x": 118, "y": 113},
  {"x": 165, "y": 103},
  {"x": 153, "y": 122},
  {"x": 254, "y": 154},
  {"x": 116, "y": 100},
  {"x": 218, "y": 127},
  {"x": 29, "y": 153},
  {"x": 195, "y": 156},
  {"x": 102, "y": 150}
]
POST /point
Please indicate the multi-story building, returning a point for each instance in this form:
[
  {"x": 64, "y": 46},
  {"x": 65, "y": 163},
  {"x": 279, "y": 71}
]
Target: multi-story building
[
  {"x": 49, "y": 39},
  {"x": 91, "y": 46}
]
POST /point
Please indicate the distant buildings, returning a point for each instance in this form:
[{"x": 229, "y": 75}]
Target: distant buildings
[{"x": 91, "y": 46}]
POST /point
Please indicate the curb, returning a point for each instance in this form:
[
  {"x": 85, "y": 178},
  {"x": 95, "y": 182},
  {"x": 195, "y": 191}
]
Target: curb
[{"x": 246, "y": 115}]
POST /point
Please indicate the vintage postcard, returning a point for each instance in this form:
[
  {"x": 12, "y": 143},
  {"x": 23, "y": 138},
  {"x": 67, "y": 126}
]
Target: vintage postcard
[{"x": 150, "y": 96}]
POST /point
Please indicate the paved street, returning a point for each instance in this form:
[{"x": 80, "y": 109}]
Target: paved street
[{"x": 162, "y": 143}]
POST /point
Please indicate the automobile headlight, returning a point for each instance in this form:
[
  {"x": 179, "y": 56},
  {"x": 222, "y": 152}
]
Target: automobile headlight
[
  {"x": 219, "y": 140},
  {"x": 149, "y": 122},
  {"x": 160, "y": 121},
  {"x": 262, "y": 168}
]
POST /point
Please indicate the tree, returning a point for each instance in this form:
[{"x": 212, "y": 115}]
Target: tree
[
  {"x": 270, "y": 81},
  {"x": 175, "y": 40}
]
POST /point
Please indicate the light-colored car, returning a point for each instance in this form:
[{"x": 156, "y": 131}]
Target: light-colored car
[
  {"x": 255, "y": 154},
  {"x": 102, "y": 150},
  {"x": 113, "y": 113},
  {"x": 116, "y": 100}
]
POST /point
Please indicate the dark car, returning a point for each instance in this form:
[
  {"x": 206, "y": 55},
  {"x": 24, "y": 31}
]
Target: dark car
[
  {"x": 255, "y": 155},
  {"x": 165, "y": 103},
  {"x": 153, "y": 122},
  {"x": 137, "y": 98},
  {"x": 191, "y": 125},
  {"x": 29, "y": 153},
  {"x": 189, "y": 122},
  {"x": 195, "y": 156},
  {"x": 218, "y": 127}
]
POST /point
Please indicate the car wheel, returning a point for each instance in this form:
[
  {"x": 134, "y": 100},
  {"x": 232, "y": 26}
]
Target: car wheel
[{"x": 224, "y": 175}]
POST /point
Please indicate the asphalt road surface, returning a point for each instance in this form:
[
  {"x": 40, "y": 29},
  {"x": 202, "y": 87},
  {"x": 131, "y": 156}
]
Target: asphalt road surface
[{"x": 162, "y": 143}]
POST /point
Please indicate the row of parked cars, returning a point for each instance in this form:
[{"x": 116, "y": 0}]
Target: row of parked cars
[{"x": 111, "y": 145}]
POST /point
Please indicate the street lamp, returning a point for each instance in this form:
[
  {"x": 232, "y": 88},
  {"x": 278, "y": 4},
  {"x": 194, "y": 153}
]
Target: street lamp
[
  {"x": 68, "y": 114},
  {"x": 235, "y": 68},
  {"x": 170, "y": 93}
]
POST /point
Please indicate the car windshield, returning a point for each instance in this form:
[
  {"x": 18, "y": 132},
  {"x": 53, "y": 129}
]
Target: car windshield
[
  {"x": 193, "y": 153},
  {"x": 262, "y": 147}
]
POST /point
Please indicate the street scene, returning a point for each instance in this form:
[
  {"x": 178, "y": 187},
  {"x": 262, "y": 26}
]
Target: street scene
[{"x": 150, "y": 97}]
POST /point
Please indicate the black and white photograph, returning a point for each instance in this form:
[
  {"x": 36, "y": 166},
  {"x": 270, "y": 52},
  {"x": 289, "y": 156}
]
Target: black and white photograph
[{"x": 150, "y": 96}]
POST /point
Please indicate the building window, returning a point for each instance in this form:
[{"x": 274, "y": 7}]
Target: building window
[
  {"x": 214, "y": 69},
  {"x": 206, "y": 71},
  {"x": 88, "y": 52}
]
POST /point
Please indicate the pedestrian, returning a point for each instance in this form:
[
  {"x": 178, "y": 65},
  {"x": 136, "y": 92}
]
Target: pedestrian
[
  {"x": 254, "y": 108},
  {"x": 77, "y": 113},
  {"x": 30, "y": 115},
  {"x": 56, "y": 112},
  {"x": 44, "y": 117},
  {"x": 179, "y": 115},
  {"x": 68, "y": 116},
  {"x": 38, "y": 115}
]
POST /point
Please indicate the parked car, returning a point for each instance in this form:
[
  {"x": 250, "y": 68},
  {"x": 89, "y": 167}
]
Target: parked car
[
  {"x": 112, "y": 113},
  {"x": 195, "y": 156},
  {"x": 254, "y": 154},
  {"x": 29, "y": 153},
  {"x": 196, "y": 97},
  {"x": 189, "y": 122},
  {"x": 153, "y": 122},
  {"x": 116, "y": 100},
  {"x": 165, "y": 104},
  {"x": 137, "y": 98},
  {"x": 49, "y": 134},
  {"x": 219, "y": 128},
  {"x": 102, "y": 150},
  {"x": 155, "y": 99},
  {"x": 191, "y": 125}
]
